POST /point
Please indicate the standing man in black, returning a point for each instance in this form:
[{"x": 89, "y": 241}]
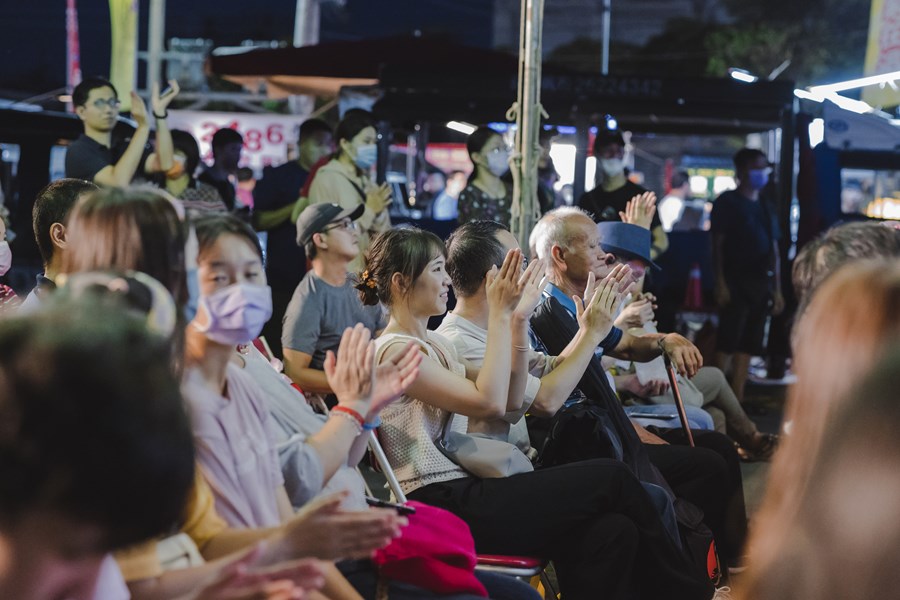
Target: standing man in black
[
  {"x": 607, "y": 201},
  {"x": 747, "y": 266},
  {"x": 274, "y": 199},
  {"x": 92, "y": 158}
]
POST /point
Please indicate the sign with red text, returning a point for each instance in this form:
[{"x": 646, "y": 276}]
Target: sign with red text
[{"x": 269, "y": 139}]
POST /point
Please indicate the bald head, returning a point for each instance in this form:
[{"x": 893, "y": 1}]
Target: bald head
[{"x": 559, "y": 227}]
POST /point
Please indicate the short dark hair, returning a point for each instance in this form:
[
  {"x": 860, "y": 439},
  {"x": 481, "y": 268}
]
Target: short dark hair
[
  {"x": 405, "y": 250},
  {"x": 185, "y": 143},
  {"x": 471, "y": 252},
  {"x": 679, "y": 178},
  {"x": 53, "y": 205},
  {"x": 83, "y": 90},
  {"x": 743, "y": 157},
  {"x": 99, "y": 433},
  {"x": 225, "y": 136},
  {"x": 210, "y": 228},
  {"x": 312, "y": 127},
  {"x": 353, "y": 122},
  {"x": 605, "y": 137}
]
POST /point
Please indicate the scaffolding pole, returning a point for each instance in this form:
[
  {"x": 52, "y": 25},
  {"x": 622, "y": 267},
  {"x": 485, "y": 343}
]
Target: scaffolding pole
[{"x": 527, "y": 112}]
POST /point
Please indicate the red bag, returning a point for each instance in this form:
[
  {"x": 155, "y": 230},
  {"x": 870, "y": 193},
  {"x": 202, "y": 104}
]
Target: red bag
[{"x": 436, "y": 552}]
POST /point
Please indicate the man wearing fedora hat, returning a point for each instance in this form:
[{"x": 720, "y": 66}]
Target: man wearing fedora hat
[{"x": 326, "y": 302}]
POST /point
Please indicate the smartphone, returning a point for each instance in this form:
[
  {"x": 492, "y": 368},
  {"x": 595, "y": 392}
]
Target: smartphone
[
  {"x": 401, "y": 509},
  {"x": 650, "y": 415},
  {"x": 168, "y": 91}
]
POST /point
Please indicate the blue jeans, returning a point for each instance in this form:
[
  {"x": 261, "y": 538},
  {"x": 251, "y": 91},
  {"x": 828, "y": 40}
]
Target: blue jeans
[{"x": 668, "y": 416}]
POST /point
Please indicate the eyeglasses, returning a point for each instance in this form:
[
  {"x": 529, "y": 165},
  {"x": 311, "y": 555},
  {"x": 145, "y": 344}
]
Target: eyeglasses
[
  {"x": 347, "y": 225},
  {"x": 113, "y": 103}
]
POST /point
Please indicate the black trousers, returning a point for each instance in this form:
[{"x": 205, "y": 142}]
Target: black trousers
[
  {"x": 708, "y": 476},
  {"x": 592, "y": 518}
]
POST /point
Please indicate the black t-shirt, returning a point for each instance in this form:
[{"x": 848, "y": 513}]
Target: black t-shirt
[
  {"x": 748, "y": 228},
  {"x": 606, "y": 205},
  {"x": 86, "y": 157},
  {"x": 285, "y": 260}
]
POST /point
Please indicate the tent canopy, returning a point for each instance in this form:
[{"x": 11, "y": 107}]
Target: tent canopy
[{"x": 324, "y": 68}]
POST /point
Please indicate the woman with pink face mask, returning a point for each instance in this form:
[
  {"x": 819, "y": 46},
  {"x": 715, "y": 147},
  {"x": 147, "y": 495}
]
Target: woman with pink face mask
[
  {"x": 486, "y": 197},
  {"x": 8, "y": 298}
]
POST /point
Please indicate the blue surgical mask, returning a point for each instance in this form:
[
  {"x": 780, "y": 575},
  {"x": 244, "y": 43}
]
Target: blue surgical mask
[
  {"x": 366, "y": 155},
  {"x": 758, "y": 178}
]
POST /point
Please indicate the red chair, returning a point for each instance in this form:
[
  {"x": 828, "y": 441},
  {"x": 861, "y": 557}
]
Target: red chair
[{"x": 515, "y": 566}]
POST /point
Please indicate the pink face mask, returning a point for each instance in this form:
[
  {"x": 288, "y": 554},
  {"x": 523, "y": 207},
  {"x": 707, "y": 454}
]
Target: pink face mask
[
  {"x": 5, "y": 258},
  {"x": 236, "y": 314}
]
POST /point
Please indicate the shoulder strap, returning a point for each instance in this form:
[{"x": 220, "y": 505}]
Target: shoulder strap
[{"x": 359, "y": 190}]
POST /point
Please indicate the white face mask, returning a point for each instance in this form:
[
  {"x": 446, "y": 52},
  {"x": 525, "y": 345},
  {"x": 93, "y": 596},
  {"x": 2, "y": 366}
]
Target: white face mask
[
  {"x": 612, "y": 166},
  {"x": 5, "y": 258}
]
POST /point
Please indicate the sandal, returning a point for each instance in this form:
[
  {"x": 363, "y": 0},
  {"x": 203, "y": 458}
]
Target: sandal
[{"x": 767, "y": 447}]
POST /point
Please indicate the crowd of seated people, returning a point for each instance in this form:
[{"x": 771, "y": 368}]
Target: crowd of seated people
[{"x": 153, "y": 448}]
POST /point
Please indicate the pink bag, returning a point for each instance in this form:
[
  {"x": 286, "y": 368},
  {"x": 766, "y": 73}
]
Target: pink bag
[{"x": 436, "y": 552}]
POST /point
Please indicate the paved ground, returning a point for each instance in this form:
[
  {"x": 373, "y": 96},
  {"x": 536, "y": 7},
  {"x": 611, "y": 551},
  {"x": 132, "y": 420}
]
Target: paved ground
[{"x": 771, "y": 398}]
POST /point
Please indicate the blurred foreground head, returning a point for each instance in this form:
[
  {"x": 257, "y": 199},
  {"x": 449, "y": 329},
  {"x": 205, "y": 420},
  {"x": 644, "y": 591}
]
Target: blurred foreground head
[
  {"x": 850, "y": 323},
  {"x": 845, "y": 540},
  {"x": 95, "y": 447}
]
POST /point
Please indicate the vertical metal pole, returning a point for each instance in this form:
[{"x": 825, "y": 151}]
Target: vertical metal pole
[
  {"x": 156, "y": 35},
  {"x": 306, "y": 33},
  {"x": 604, "y": 63}
]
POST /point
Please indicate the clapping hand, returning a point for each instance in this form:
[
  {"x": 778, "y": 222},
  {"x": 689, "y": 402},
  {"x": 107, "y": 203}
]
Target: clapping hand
[
  {"x": 596, "y": 313},
  {"x": 533, "y": 281},
  {"x": 504, "y": 290},
  {"x": 640, "y": 210},
  {"x": 351, "y": 373}
]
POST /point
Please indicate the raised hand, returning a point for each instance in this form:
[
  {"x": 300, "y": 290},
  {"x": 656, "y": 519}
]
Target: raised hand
[
  {"x": 503, "y": 289},
  {"x": 596, "y": 315},
  {"x": 324, "y": 531},
  {"x": 640, "y": 210},
  {"x": 393, "y": 376},
  {"x": 533, "y": 282},
  {"x": 685, "y": 356},
  {"x": 351, "y": 372},
  {"x": 161, "y": 105},
  {"x": 138, "y": 110}
]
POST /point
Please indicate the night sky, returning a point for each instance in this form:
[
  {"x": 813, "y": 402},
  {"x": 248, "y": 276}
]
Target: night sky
[{"x": 32, "y": 32}]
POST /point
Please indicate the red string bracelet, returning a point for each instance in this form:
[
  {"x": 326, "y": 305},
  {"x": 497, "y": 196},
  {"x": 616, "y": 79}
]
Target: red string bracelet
[{"x": 359, "y": 418}]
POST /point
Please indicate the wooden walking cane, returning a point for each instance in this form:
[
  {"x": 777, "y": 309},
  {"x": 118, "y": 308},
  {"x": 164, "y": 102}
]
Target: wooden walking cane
[{"x": 679, "y": 403}]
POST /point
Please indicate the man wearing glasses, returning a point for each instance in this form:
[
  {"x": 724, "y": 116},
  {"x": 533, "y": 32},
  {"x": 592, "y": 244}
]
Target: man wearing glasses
[
  {"x": 326, "y": 301},
  {"x": 92, "y": 157}
]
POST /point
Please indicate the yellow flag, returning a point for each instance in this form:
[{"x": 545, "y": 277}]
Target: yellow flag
[
  {"x": 123, "y": 16},
  {"x": 883, "y": 51}
]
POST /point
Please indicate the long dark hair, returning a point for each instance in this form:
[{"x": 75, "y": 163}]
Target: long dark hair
[
  {"x": 406, "y": 250},
  {"x": 354, "y": 121},
  {"x": 478, "y": 139}
]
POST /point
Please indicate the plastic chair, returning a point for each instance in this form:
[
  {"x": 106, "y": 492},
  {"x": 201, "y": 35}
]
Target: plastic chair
[{"x": 514, "y": 566}]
